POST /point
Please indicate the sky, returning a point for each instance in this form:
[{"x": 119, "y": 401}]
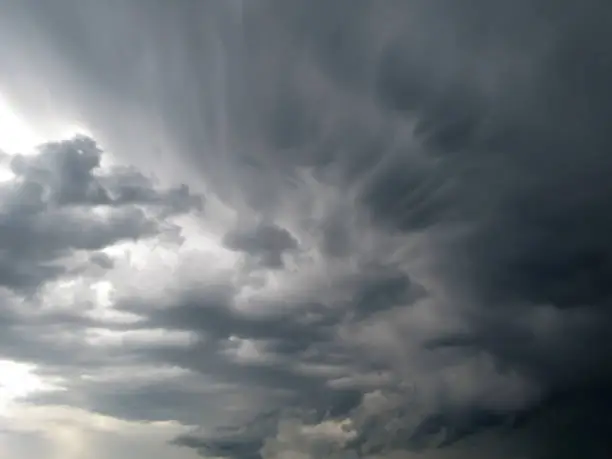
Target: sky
[{"x": 291, "y": 229}]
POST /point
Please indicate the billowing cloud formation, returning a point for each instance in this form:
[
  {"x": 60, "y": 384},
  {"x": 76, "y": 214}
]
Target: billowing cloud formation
[
  {"x": 60, "y": 202},
  {"x": 406, "y": 244}
]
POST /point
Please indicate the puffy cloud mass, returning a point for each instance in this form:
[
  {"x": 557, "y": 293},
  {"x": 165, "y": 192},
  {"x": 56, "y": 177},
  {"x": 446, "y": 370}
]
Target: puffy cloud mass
[
  {"x": 60, "y": 202},
  {"x": 327, "y": 229}
]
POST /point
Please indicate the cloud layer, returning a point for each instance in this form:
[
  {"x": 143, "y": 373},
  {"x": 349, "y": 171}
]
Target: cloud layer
[{"x": 404, "y": 248}]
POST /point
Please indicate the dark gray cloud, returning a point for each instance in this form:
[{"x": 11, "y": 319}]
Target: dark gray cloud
[
  {"x": 292, "y": 353},
  {"x": 61, "y": 201},
  {"x": 233, "y": 441},
  {"x": 504, "y": 172},
  {"x": 443, "y": 166},
  {"x": 267, "y": 243}
]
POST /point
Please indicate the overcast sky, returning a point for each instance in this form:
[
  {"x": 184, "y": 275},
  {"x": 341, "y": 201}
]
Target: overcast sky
[{"x": 305, "y": 229}]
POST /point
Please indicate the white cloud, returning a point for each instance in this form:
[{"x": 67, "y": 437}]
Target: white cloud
[
  {"x": 15, "y": 134},
  {"x": 19, "y": 380}
]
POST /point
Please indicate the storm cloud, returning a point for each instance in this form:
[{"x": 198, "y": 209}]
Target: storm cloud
[
  {"x": 404, "y": 248},
  {"x": 58, "y": 204}
]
